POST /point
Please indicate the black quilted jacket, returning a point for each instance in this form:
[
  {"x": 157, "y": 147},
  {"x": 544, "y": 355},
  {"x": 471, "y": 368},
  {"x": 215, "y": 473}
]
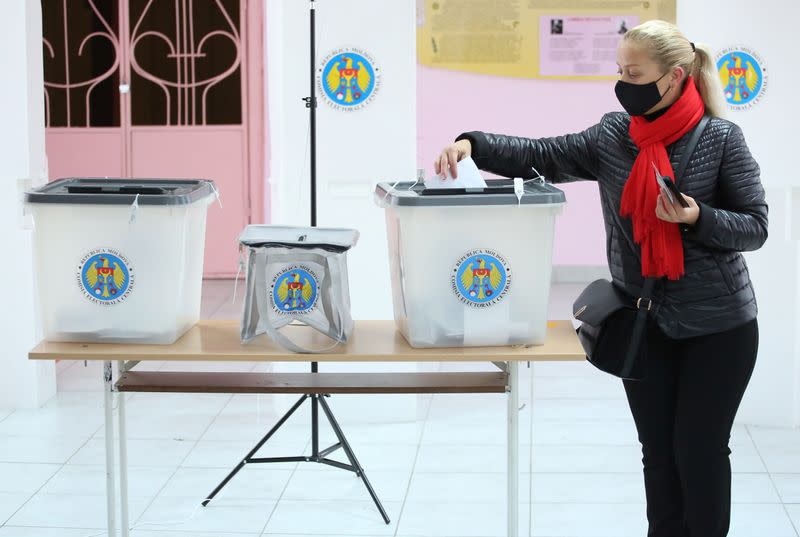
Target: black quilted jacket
[{"x": 715, "y": 294}]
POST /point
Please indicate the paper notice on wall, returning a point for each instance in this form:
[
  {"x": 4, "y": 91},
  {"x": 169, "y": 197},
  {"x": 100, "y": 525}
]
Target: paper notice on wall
[
  {"x": 581, "y": 46},
  {"x": 568, "y": 39},
  {"x": 475, "y": 32}
]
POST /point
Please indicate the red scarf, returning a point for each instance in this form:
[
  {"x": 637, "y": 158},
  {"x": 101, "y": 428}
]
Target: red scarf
[{"x": 662, "y": 247}]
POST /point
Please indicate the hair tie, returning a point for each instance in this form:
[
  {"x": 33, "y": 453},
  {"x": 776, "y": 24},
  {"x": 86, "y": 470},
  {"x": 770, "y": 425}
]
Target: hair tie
[{"x": 694, "y": 49}]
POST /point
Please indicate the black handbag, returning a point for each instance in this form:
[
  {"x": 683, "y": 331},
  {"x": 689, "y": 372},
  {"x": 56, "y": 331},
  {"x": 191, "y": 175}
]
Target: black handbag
[
  {"x": 613, "y": 324},
  {"x": 613, "y": 327}
]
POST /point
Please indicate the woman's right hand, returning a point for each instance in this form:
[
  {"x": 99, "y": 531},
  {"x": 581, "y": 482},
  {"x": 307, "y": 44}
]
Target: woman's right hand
[{"x": 451, "y": 155}]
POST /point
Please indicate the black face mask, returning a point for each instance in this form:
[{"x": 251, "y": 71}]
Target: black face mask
[{"x": 637, "y": 99}]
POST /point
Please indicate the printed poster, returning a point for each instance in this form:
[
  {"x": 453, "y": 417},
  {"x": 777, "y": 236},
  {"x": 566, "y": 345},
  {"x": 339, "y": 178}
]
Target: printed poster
[
  {"x": 581, "y": 46},
  {"x": 559, "y": 39}
]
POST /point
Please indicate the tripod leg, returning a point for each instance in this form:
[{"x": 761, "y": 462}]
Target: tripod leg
[
  {"x": 254, "y": 450},
  {"x": 352, "y": 456}
]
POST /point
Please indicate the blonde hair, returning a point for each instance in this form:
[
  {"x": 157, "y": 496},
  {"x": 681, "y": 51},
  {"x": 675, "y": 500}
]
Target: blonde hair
[{"x": 669, "y": 48}]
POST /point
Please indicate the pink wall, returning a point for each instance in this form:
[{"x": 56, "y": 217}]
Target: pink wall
[{"x": 450, "y": 102}]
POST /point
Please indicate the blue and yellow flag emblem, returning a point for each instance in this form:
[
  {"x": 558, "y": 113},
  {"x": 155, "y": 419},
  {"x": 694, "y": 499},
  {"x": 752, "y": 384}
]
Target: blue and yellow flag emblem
[
  {"x": 105, "y": 277},
  {"x": 349, "y": 79},
  {"x": 295, "y": 290},
  {"x": 742, "y": 76},
  {"x": 481, "y": 278}
]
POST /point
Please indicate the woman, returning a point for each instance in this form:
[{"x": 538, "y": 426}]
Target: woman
[{"x": 703, "y": 342}]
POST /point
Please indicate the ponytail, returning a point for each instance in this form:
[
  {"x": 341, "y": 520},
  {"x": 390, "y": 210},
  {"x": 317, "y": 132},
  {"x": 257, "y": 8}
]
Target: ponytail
[
  {"x": 670, "y": 48},
  {"x": 706, "y": 77}
]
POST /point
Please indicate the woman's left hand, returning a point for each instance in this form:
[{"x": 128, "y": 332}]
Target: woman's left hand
[{"x": 673, "y": 212}]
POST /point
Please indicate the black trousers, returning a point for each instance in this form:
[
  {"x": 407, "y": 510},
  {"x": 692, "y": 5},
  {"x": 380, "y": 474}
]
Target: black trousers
[{"x": 684, "y": 411}]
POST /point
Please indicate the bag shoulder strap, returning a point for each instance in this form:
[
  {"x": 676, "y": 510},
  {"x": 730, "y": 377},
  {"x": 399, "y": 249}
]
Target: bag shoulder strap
[{"x": 690, "y": 147}]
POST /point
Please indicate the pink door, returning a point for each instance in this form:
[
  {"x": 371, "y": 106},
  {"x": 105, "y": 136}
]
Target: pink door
[
  {"x": 82, "y": 72},
  {"x": 159, "y": 88}
]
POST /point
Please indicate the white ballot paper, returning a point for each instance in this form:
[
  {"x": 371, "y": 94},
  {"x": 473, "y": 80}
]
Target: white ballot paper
[{"x": 468, "y": 177}]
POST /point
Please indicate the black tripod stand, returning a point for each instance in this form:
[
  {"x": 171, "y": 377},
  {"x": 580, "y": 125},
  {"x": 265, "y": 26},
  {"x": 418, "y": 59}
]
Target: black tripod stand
[
  {"x": 316, "y": 455},
  {"x": 317, "y": 400}
]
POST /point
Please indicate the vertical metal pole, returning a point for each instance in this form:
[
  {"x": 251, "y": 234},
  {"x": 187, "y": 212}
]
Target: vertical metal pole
[
  {"x": 513, "y": 449},
  {"x": 315, "y": 426},
  {"x": 530, "y": 461},
  {"x": 312, "y": 104},
  {"x": 111, "y": 504},
  {"x": 123, "y": 458},
  {"x": 313, "y": 111}
]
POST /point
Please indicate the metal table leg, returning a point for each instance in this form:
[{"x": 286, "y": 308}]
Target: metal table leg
[
  {"x": 513, "y": 449},
  {"x": 530, "y": 461},
  {"x": 123, "y": 460},
  {"x": 108, "y": 379}
]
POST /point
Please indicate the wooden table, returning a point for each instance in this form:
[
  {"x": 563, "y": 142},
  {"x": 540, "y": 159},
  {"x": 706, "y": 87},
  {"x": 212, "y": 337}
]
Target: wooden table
[{"x": 372, "y": 341}]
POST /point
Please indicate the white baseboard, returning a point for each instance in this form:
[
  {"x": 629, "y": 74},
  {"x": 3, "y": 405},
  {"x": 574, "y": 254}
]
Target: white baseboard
[{"x": 579, "y": 273}]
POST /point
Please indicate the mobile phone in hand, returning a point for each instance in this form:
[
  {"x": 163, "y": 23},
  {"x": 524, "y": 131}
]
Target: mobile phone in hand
[{"x": 669, "y": 189}]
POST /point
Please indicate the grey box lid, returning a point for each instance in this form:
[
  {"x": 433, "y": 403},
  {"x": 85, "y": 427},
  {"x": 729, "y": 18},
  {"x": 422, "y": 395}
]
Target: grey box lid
[
  {"x": 497, "y": 192},
  {"x": 335, "y": 239},
  {"x": 89, "y": 191}
]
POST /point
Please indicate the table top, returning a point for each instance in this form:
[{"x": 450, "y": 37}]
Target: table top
[{"x": 372, "y": 341}]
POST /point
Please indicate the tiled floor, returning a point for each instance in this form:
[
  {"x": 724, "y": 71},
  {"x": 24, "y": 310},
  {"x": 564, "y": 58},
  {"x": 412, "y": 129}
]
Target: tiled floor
[{"x": 436, "y": 462}]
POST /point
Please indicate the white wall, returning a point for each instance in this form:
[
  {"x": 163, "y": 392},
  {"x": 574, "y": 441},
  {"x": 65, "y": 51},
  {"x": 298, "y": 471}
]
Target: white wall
[
  {"x": 766, "y": 29},
  {"x": 22, "y": 383},
  {"x": 355, "y": 149},
  {"x": 774, "y": 393},
  {"x": 771, "y": 398}
]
